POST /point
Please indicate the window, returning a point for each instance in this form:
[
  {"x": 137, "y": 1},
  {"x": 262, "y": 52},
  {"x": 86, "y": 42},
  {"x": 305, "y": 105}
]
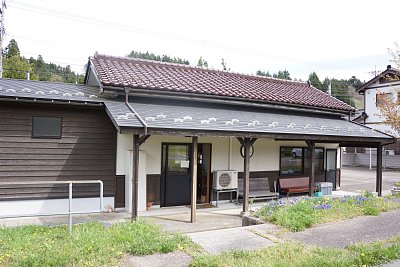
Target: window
[
  {"x": 294, "y": 161},
  {"x": 291, "y": 161},
  {"x": 319, "y": 160},
  {"x": 382, "y": 97},
  {"x": 46, "y": 127}
]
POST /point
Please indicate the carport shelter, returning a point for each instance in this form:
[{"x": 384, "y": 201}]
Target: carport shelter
[{"x": 157, "y": 131}]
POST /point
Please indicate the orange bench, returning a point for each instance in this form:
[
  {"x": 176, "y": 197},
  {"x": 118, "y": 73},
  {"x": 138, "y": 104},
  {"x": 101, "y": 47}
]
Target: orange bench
[{"x": 295, "y": 185}]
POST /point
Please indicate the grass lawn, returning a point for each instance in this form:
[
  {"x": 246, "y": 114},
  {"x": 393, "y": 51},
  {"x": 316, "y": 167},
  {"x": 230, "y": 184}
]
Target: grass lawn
[
  {"x": 299, "y": 214},
  {"x": 299, "y": 255},
  {"x": 91, "y": 244}
]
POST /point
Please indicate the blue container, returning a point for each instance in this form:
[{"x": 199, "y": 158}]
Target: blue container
[{"x": 318, "y": 194}]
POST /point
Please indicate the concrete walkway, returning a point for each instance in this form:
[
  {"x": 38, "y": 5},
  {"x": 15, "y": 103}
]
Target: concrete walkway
[
  {"x": 242, "y": 238},
  {"x": 356, "y": 179},
  {"x": 361, "y": 229},
  {"x": 336, "y": 234}
]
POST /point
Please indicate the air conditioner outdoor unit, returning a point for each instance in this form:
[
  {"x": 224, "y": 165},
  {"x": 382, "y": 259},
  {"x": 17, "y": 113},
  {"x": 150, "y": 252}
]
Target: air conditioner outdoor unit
[{"x": 225, "y": 180}]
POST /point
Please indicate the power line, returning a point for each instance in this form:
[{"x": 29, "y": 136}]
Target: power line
[
  {"x": 49, "y": 43},
  {"x": 124, "y": 27}
]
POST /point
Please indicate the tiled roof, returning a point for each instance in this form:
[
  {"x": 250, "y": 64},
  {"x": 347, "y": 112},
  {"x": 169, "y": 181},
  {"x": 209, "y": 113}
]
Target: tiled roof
[
  {"x": 185, "y": 115},
  {"x": 152, "y": 75}
]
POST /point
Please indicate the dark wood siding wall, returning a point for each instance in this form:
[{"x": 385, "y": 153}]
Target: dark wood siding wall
[{"x": 86, "y": 151}]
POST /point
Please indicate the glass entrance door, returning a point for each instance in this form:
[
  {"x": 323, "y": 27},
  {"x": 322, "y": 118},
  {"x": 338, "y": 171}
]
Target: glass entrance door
[
  {"x": 203, "y": 173},
  {"x": 175, "y": 187},
  {"x": 176, "y": 176},
  {"x": 331, "y": 155}
]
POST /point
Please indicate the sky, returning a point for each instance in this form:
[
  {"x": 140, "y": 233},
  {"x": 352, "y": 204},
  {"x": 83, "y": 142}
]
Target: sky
[{"x": 336, "y": 39}]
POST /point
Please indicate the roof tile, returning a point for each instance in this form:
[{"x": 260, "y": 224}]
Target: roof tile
[{"x": 152, "y": 75}]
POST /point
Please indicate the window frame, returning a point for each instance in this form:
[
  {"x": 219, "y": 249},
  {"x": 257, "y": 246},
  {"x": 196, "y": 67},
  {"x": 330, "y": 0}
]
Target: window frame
[
  {"x": 303, "y": 148},
  {"x": 385, "y": 95},
  {"x": 47, "y": 136}
]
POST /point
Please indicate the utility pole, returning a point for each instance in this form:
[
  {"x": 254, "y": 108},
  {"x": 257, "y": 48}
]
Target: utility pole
[
  {"x": 330, "y": 88},
  {"x": 2, "y": 34}
]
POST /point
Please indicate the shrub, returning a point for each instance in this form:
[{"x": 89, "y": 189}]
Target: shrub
[
  {"x": 297, "y": 217},
  {"x": 298, "y": 214}
]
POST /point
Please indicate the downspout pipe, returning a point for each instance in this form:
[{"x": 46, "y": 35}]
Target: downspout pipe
[{"x": 134, "y": 111}]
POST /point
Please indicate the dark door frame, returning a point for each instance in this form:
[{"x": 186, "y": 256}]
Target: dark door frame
[
  {"x": 326, "y": 164},
  {"x": 209, "y": 175},
  {"x": 163, "y": 168}
]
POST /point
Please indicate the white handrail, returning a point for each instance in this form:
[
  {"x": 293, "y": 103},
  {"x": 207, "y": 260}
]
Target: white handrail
[{"x": 70, "y": 212}]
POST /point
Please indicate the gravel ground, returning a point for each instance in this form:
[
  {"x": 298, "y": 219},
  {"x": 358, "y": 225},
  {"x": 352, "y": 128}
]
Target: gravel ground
[
  {"x": 361, "y": 229},
  {"x": 173, "y": 259}
]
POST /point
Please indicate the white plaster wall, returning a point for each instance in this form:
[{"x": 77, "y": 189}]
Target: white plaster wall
[
  {"x": 375, "y": 119},
  {"x": 142, "y": 180},
  {"x": 265, "y": 158},
  {"x": 124, "y": 144},
  {"x": 52, "y": 206}
]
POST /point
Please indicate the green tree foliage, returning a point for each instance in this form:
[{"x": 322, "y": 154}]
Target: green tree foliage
[
  {"x": 282, "y": 74},
  {"x": 152, "y": 56},
  {"x": 12, "y": 49},
  {"x": 263, "y": 73},
  {"x": 354, "y": 82},
  {"x": 224, "y": 66},
  {"x": 55, "y": 73},
  {"x": 202, "y": 63},
  {"x": 314, "y": 80},
  {"x": 16, "y": 66},
  {"x": 339, "y": 89}
]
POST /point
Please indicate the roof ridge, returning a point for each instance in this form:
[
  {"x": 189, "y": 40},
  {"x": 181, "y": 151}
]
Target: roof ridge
[
  {"x": 172, "y": 77},
  {"x": 97, "y": 55}
]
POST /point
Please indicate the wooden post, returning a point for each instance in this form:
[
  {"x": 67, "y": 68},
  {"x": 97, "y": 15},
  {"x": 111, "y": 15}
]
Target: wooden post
[
  {"x": 194, "y": 179},
  {"x": 246, "y": 174},
  {"x": 311, "y": 148},
  {"x": 135, "y": 176},
  {"x": 246, "y": 143},
  {"x": 379, "y": 170}
]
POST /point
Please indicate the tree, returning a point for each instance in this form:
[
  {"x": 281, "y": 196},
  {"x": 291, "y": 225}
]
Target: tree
[
  {"x": 202, "y": 63},
  {"x": 339, "y": 89},
  {"x": 16, "y": 66},
  {"x": 152, "y": 56},
  {"x": 395, "y": 53},
  {"x": 390, "y": 110},
  {"x": 263, "y": 73},
  {"x": 314, "y": 80},
  {"x": 354, "y": 82},
  {"x": 224, "y": 67},
  {"x": 285, "y": 75},
  {"x": 12, "y": 49},
  {"x": 389, "y": 107}
]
